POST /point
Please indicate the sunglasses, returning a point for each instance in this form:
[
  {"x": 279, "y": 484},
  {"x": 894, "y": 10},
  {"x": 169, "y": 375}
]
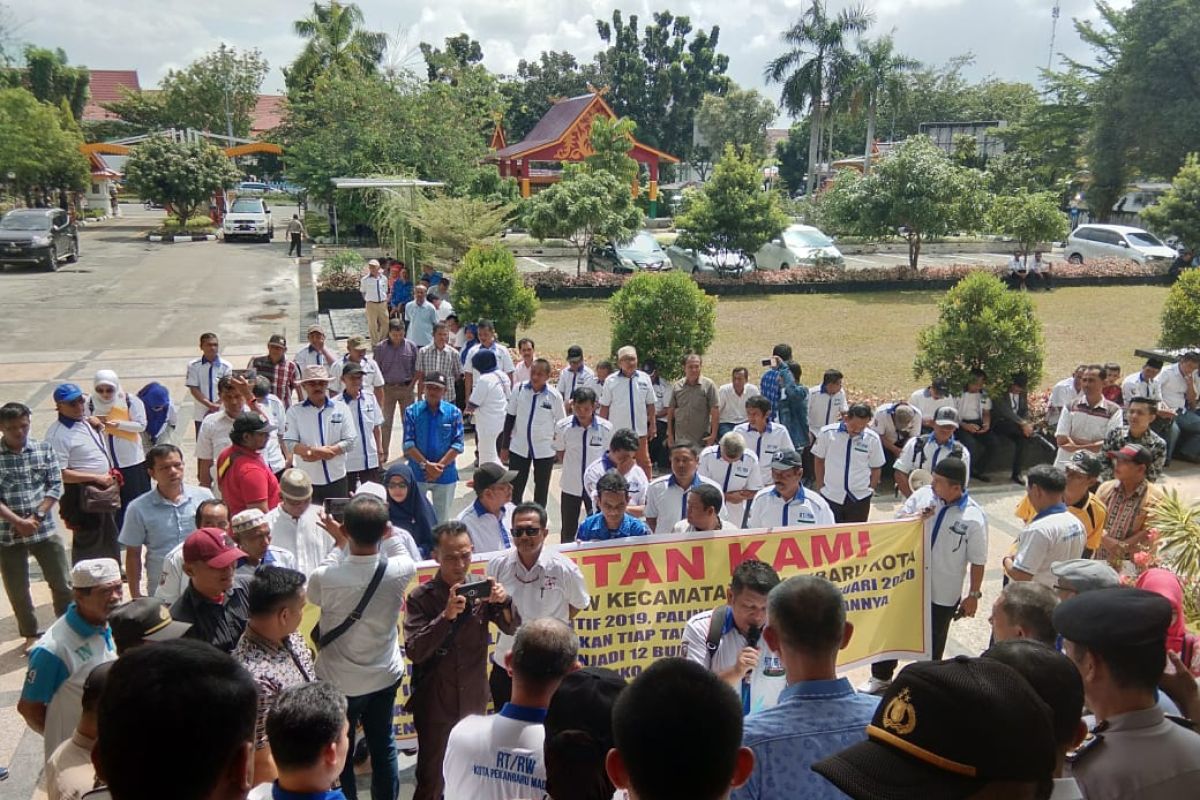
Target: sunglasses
[{"x": 526, "y": 531}]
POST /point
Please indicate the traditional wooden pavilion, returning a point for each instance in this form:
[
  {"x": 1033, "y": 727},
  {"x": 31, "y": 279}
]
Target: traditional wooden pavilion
[{"x": 562, "y": 136}]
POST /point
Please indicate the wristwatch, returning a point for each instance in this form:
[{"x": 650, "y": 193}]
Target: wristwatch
[
  {"x": 39, "y": 515},
  {"x": 975, "y": 595}
]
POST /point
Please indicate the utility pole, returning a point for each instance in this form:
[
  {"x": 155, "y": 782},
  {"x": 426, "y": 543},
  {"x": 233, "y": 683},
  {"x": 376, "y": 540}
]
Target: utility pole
[{"x": 1053, "y": 32}]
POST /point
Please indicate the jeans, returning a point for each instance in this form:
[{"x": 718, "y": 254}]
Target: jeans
[
  {"x": 570, "y": 506},
  {"x": 940, "y": 619},
  {"x": 1186, "y": 425},
  {"x": 441, "y": 496},
  {"x": 375, "y": 711},
  {"x": 542, "y": 467},
  {"x": 14, "y": 569},
  {"x": 977, "y": 446},
  {"x": 722, "y": 429}
]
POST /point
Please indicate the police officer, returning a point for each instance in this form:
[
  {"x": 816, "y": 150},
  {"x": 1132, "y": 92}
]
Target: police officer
[{"x": 1117, "y": 638}]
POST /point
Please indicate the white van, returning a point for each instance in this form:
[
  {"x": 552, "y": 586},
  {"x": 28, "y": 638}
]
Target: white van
[
  {"x": 249, "y": 217},
  {"x": 1115, "y": 241}
]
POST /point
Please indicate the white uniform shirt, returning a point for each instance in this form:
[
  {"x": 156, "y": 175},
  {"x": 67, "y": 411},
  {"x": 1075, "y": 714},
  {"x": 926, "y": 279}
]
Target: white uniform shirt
[
  {"x": 626, "y": 399},
  {"x": 1174, "y": 386},
  {"x": 766, "y": 681},
  {"x": 1136, "y": 385},
  {"x": 497, "y": 757},
  {"x": 663, "y": 394},
  {"x": 731, "y": 476},
  {"x": 579, "y": 446},
  {"x": 958, "y": 535},
  {"x": 1084, "y": 423},
  {"x": 173, "y": 581},
  {"x": 1055, "y": 534},
  {"x": 444, "y": 310},
  {"x": 733, "y": 408},
  {"x": 683, "y": 526},
  {"x": 321, "y": 427},
  {"x": 928, "y": 405},
  {"x": 126, "y": 452},
  {"x": 504, "y": 361},
  {"x": 301, "y": 536},
  {"x": 307, "y": 356},
  {"x": 78, "y": 447},
  {"x": 489, "y": 533},
  {"x": 569, "y": 380},
  {"x": 1061, "y": 396},
  {"x": 770, "y": 510},
  {"x": 374, "y": 289},
  {"x": 204, "y": 375},
  {"x": 848, "y": 461},
  {"x": 366, "y": 415},
  {"x": 766, "y": 444},
  {"x": 214, "y": 437},
  {"x": 551, "y": 588},
  {"x": 372, "y": 375},
  {"x": 490, "y": 393},
  {"x": 971, "y": 406},
  {"x": 521, "y": 373},
  {"x": 823, "y": 409},
  {"x": 537, "y": 413},
  {"x": 666, "y": 500},
  {"x": 636, "y": 478},
  {"x": 924, "y": 452},
  {"x": 884, "y": 423}
]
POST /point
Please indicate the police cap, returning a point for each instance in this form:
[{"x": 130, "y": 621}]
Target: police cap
[{"x": 1114, "y": 618}]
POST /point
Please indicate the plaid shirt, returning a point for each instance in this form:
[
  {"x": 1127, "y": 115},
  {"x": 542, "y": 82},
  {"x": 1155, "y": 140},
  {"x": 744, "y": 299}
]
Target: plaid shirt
[
  {"x": 445, "y": 361},
  {"x": 26, "y": 479},
  {"x": 771, "y": 387},
  {"x": 283, "y": 376}
]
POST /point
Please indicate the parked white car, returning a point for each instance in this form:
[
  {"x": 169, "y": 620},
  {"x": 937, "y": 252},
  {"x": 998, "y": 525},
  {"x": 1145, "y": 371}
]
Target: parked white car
[
  {"x": 1115, "y": 241},
  {"x": 250, "y": 217},
  {"x": 799, "y": 245}
]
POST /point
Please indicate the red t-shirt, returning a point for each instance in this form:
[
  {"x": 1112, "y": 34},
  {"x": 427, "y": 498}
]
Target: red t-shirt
[{"x": 244, "y": 478}]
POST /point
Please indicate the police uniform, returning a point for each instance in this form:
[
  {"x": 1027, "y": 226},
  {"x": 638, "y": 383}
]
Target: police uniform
[
  {"x": 1142, "y": 753},
  {"x": 733, "y": 476}
]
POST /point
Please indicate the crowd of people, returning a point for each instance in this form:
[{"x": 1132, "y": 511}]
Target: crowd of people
[{"x": 302, "y": 502}]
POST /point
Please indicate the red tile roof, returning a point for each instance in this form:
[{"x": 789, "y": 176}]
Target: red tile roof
[
  {"x": 105, "y": 87},
  {"x": 268, "y": 114}
]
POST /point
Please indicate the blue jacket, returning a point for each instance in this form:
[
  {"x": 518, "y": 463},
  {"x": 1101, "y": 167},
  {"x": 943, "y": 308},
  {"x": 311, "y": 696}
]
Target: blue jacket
[{"x": 433, "y": 433}]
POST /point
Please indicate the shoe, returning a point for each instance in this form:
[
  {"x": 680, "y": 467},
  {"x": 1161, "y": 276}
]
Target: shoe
[
  {"x": 875, "y": 686},
  {"x": 981, "y": 478},
  {"x": 3, "y": 773}
]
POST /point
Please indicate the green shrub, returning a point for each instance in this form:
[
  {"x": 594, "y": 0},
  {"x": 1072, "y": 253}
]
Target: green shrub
[
  {"x": 665, "y": 316},
  {"x": 1181, "y": 312},
  {"x": 341, "y": 271},
  {"x": 982, "y": 324},
  {"x": 487, "y": 285}
]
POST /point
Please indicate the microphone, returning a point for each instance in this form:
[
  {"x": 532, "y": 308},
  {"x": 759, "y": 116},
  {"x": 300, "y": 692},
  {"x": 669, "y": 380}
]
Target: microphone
[{"x": 753, "y": 635}]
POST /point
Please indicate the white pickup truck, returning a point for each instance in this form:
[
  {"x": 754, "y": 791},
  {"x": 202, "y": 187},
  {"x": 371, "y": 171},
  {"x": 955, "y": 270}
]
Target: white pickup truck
[{"x": 250, "y": 217}]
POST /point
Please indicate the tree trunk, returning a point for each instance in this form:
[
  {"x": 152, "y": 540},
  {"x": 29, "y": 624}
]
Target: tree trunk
[
  {"x": 914, "y": 251},
  {"x": 814, "y": 140},
  {"x": 870, "y": 136},
  {"x": 579, "y": 260}
]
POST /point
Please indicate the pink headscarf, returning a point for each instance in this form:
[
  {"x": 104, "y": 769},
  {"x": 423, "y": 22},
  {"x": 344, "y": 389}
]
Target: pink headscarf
[{"x": 1164, "y": 582}]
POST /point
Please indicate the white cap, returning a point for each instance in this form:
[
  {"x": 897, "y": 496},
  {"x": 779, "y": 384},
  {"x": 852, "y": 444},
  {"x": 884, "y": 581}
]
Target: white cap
[
  {"x": 95, "y": 572},
  {"x": 373, "y": 489},
  {"x": 247, "y": 520}
]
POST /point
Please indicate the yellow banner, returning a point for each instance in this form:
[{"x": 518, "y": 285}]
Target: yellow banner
[{"x": 644, "y": 589}]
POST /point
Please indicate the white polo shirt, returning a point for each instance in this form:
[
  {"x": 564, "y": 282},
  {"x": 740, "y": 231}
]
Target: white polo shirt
[
  {"x": 770, "y": 510},
  {"x": 1055, "y": 534},
  {"x": 766, "y": 681},
  {"x": 489, "y": 533},
  {"x": 372, "y": 375},
  {"x": 1173, "y": 384},
  {"x": 928, "y": 405},
  {"x": 1061, "y": 396},
  {"x": 924, "y": 452},
  {"x": 884, "y": 422},
  {"x": 765, "y": 445},
  {"x": 848, "y": 461},
  {"x": 308, "y": 356},
  {"x": 823, "y": 409},
  {"x": 958, "y": 536},
  {"x": 626, "y": 399},
  {"x": 537, "y": 415},
  {"x": 497, "y": 757},
  {"x": 663, "y": 394},
  {"x": 78, "y": 447},
  {"x": 366, "y": 415},
  {"x": 551, "y": 588},
  {"x": 374, "y": 289},
  {"x": 732, "y": 407},
  {"x": 579, "y": 445},
  {"x": 504, "y": 360},
  {"x": 971, "y": 406},
  {"x": 666, "y": 500},
  {"x": 569, "y": 380},
  {"x": 322, "y": 426},
  {"x": 1086, "y": 423},
  {"x": 301, "y": 536},
  {"x": 1136, "y": 385},
  {"x": 214, "y": 437},
  {"x": 204, "y": 375},
  {"x": 636, "y": 478},
  {"x": 731, "y": 476}
]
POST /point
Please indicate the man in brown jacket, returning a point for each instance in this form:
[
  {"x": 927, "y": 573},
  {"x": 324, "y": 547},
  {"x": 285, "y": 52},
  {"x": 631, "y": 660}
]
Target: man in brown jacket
[{"x": 446, "y": 639}]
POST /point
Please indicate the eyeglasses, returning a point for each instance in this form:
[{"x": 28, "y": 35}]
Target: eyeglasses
[
  {"x": 397, "y": 484},
  {"x": 526, "y": 531}
]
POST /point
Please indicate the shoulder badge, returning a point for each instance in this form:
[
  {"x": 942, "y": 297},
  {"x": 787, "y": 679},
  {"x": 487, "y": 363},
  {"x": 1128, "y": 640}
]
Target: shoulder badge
[
  {"x": 1089, "y": 743},
  {"x": 1182, "y": 722}
]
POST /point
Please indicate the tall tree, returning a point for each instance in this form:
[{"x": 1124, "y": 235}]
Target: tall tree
[
  {"x": 461, "y": 53},
  {"x": 217, "y": 92},
  {"x": 336, "y": 42},
  {"x": 48, "y": 75},
  {"x": 732, "y": 212},
  {"x": 879, "y": 72},
  {"x": 817, "y": 43},
  {"x": 739, "y": 118},
  {"x": 39, "y": 144}
]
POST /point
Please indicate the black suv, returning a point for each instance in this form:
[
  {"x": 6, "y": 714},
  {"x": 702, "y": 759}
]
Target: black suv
[{"x": 39, "y": 236}]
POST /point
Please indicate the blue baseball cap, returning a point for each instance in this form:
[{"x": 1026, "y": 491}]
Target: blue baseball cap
[{"x": 67, "y": 392}]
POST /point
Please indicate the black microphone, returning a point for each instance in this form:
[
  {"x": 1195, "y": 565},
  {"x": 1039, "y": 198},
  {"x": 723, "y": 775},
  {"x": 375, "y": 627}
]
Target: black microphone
[{"x": 753, "y": 635}]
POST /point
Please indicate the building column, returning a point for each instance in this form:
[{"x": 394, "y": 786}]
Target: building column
[{"x": 653, "y": 188}]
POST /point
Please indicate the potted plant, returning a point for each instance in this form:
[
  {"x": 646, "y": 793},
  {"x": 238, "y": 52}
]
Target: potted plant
[{"x": 337, "y": 283}]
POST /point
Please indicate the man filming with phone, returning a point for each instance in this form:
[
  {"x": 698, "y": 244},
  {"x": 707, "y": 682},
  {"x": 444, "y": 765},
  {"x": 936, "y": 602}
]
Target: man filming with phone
[
  {"x": 728, "y": 640},
  {"x": 446, "y": 638}
]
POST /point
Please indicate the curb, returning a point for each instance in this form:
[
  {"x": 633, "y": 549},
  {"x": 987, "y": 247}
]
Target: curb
[
  {"x": 173, "y": 239},
  {"x": 309, "y": 314}
]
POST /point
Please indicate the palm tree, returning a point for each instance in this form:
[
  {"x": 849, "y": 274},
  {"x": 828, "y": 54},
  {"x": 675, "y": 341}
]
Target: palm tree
[
  {"x": 337, "y": 42},
  {"x": 879, "y": 72},
  {"x": 818, "y": 43}
]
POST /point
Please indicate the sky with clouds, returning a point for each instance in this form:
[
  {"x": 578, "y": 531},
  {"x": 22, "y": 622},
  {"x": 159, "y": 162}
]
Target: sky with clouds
[{"x": 1010, "y": 38}]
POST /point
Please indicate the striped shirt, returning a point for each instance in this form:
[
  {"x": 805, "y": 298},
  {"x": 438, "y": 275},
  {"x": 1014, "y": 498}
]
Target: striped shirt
[
  {"x": 431, "y": 359},
  {"x": 284, "y": 376}
]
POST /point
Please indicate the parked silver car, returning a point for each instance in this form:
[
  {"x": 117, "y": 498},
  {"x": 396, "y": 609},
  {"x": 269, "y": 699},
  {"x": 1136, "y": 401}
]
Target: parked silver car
[
  {"x": 799, "y": 245},
  {"x": 1116, "y": 241},
  {"x": 733, "y": 263}
]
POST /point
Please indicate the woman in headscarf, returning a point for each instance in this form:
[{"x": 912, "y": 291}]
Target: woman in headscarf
[
  {"x": 408, "y": 507},
  {"x": 1179, "y": 641},
  {"x": 120, "y": 418},
  {"x": 489, "y": 403},
  {"x": 160, "y": 415}
]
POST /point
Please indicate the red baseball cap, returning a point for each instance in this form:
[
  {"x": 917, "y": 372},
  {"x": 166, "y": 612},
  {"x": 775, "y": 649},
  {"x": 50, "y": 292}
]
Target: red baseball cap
[{"x": 212, "y": 546}]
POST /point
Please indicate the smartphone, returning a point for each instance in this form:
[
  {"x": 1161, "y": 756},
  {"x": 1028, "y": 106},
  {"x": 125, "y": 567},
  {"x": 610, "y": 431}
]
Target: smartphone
[
  {"x": 336, "y": 507},
  {"x": 475, "y": 590},
  {"x": 766, "y": 362},
  {"x": 245, "y": 374}
]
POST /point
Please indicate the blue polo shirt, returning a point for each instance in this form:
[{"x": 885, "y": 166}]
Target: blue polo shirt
[
  {"x": 433, "y": 432},
  {"x": 813, "y": 720},
  {"x": 595, "y": 529},
  {"x": 158, "y": 524}
]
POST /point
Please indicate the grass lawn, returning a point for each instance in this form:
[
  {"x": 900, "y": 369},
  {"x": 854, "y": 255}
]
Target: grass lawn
[{"x": 871, "y": 337}]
